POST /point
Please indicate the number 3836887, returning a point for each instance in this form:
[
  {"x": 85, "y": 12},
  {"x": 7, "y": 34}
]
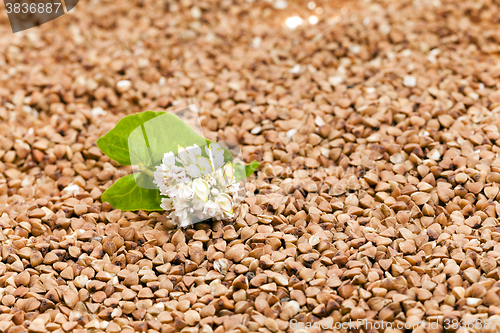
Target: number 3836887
[{"x": 32, "y": 8}]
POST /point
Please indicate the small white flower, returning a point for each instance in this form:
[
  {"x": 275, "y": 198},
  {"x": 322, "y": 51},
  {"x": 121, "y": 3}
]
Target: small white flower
[
  {"x": 185, "y": 222},
  {"x": 181, "y": 208},
  {"x": 201, "y": 189},
  {"x": 204, "y": 165},
  {"x": 173, "y": 191},
  {"x": 211, "y": 181},
  {"x": 228, "y": 173},
  {"x": 225, "y": 203},
  {"x": 198, "y": 204},
  {"x": 233, "y": 190},
  {"x": 193, "y": 170},
  {"x": 166, "y": 204},
  {"x": 211, "y": 208},
  {"x": 186, "y": 191},
  {"x": 216, "y": 155},
  {"x": 178, "y": 174},
  {"x": 218, "y": 176},
  {"x": 188, "y": 155},
  {"x": 168, "y": 160}
]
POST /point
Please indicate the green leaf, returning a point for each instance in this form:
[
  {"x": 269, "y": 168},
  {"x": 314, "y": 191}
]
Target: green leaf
[
  {"x": 115, "y": 143},
  {"x": 239, "y": 171},
  {"x": 243, "y": 171},
  {"x": 143, "y": 138},
  {"x": 250, "y": 168},
  {"x": 125, "y": 194}
]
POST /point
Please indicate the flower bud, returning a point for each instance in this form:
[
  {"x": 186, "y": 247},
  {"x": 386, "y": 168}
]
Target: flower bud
[
  {"x": 225, "y": 202},
  {"x": 201, "y": 188}
]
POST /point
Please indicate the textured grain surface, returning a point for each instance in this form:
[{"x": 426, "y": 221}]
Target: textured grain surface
[{"x": 377, "y": 129}]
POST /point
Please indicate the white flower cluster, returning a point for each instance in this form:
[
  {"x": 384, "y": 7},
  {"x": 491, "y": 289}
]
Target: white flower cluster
[{"x": 197, "y": 188}]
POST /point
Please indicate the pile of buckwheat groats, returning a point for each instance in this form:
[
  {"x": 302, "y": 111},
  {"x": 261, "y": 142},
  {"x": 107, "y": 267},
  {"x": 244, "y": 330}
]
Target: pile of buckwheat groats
[{"x": 377, "y": 127}]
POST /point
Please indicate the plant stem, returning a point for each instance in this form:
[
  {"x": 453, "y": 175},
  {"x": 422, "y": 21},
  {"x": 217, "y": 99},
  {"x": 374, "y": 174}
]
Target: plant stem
[{"x": 148, "y": 172}]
